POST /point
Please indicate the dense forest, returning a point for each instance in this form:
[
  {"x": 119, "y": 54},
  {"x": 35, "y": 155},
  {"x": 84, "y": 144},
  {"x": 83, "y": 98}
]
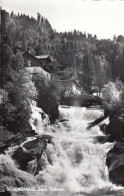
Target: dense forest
[
  {"x": 75, "y": 54},
  {"x": 62, "y": 139},
  {"x": 93, "y": 62}
]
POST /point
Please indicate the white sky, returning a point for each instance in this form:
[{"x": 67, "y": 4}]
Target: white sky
[{"x": 104, "y": 18}]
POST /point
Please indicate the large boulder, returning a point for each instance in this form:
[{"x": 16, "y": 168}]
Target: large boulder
[
  {"x": 102, "y": 138},
  {"x": 50, "y": 107},
  {"x": 103, "y": 128},
  {"x": 15, "y": 140},
  {"x": 31, "y": 154},
  {"x": 115, "y": 157},
  {"x": 116, "y": 125},
  {"x": 115, "y": 163},
  {"x": 22, "y": 157}
]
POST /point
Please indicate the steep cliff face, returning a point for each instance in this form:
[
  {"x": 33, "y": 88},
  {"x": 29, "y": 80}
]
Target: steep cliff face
[
  {"x": 115, "y": 163},
  {"x": 115, "y": 157},
  {"x": 50, "y": 107},
  {"x": 116, "y": 125}
]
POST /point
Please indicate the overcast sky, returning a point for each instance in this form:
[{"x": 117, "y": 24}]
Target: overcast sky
[{"x": 104, "y": 18}]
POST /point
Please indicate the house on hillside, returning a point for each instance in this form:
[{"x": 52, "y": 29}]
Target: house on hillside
[
  {"x": 71, "y": 86},
  {"x": 34, "y": 64},
  {"x": 95, "y": 91}
]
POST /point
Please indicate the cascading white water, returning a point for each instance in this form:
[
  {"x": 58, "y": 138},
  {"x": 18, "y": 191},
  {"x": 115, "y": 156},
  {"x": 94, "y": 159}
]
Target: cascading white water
[
  {"x": 80, "y": 164},
  {"x": 38, "y": 124},
  {"x": 78, "y": 160}
]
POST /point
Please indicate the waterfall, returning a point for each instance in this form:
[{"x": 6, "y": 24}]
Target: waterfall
[
  {"x": 78, "y": 160},
  {"x": 80, "y": 164},
  {"x": 37, "y": 122}
]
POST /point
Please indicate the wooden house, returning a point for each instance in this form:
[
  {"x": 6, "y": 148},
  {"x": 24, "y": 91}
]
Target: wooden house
[
  {"x": 71, "y": 86},
  {"x": 34, "y": 64}
]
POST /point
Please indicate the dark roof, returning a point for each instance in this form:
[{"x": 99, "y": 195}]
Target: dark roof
[
  {"x": 44, "y": 57},
  {"x": 32, "y": 56}
]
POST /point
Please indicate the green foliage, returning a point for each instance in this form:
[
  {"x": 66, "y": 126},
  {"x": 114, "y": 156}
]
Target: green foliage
[
  {"x": 113, "y": 95},
  {"x": 4, "y": 134},
  {"x": 76, "y": 55},
  {"x": 49, "y": 93},
  {"x": 80, "y": 55},
  {"x": 20, "y": 87},
  {"x": 99, "y": 60},
  {"x": 16, "y": 111},
  {"x": 51, "y": 89}
]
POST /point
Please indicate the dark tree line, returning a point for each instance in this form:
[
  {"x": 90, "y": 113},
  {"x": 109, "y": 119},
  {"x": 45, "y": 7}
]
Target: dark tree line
[
  {"x": 80, "y": 55},
  {"x": 15, "y": 112}
]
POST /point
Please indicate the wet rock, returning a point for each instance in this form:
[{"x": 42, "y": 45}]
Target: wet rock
[
  {"x": 9, "y": 142},
  {"x": 115, "y": 157},
  {"x": 102, "y": 139},
  {"x": 115, "y": 163},
  {"x": 63, "y": 120},
  {"x": 22, "y": 157},
  {"x": 103, "y": 128},
  {"x": 5, "y": 192},
  {"x": 116, "y": 126},
  {"x": 49, "y": 106},
  {"x": 15, "y": 140},
  {"x": 29, "y": 156},
  {"x": 3, "y": 147},
  {"x": 36, "y": 145}
]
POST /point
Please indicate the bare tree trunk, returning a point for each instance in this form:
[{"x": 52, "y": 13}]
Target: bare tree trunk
[{"x": 97, "y": 121}]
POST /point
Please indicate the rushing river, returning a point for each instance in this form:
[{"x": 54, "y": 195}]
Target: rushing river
[{"x": 78, "y": 161}]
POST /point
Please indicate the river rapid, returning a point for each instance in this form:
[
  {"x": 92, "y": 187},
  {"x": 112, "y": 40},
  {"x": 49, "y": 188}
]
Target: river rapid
[{"x": 78, "y": 160}]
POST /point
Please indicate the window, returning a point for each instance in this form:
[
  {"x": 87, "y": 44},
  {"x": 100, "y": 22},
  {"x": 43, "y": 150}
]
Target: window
[{"x": 29, "y": 63}]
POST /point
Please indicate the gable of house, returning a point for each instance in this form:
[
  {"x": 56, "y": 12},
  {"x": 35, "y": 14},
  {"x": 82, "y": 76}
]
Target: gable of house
[
  {"x": 71, "y": 86},
  {"x": 31, "y": 61},
  {"x": 33, "y": 65}
]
